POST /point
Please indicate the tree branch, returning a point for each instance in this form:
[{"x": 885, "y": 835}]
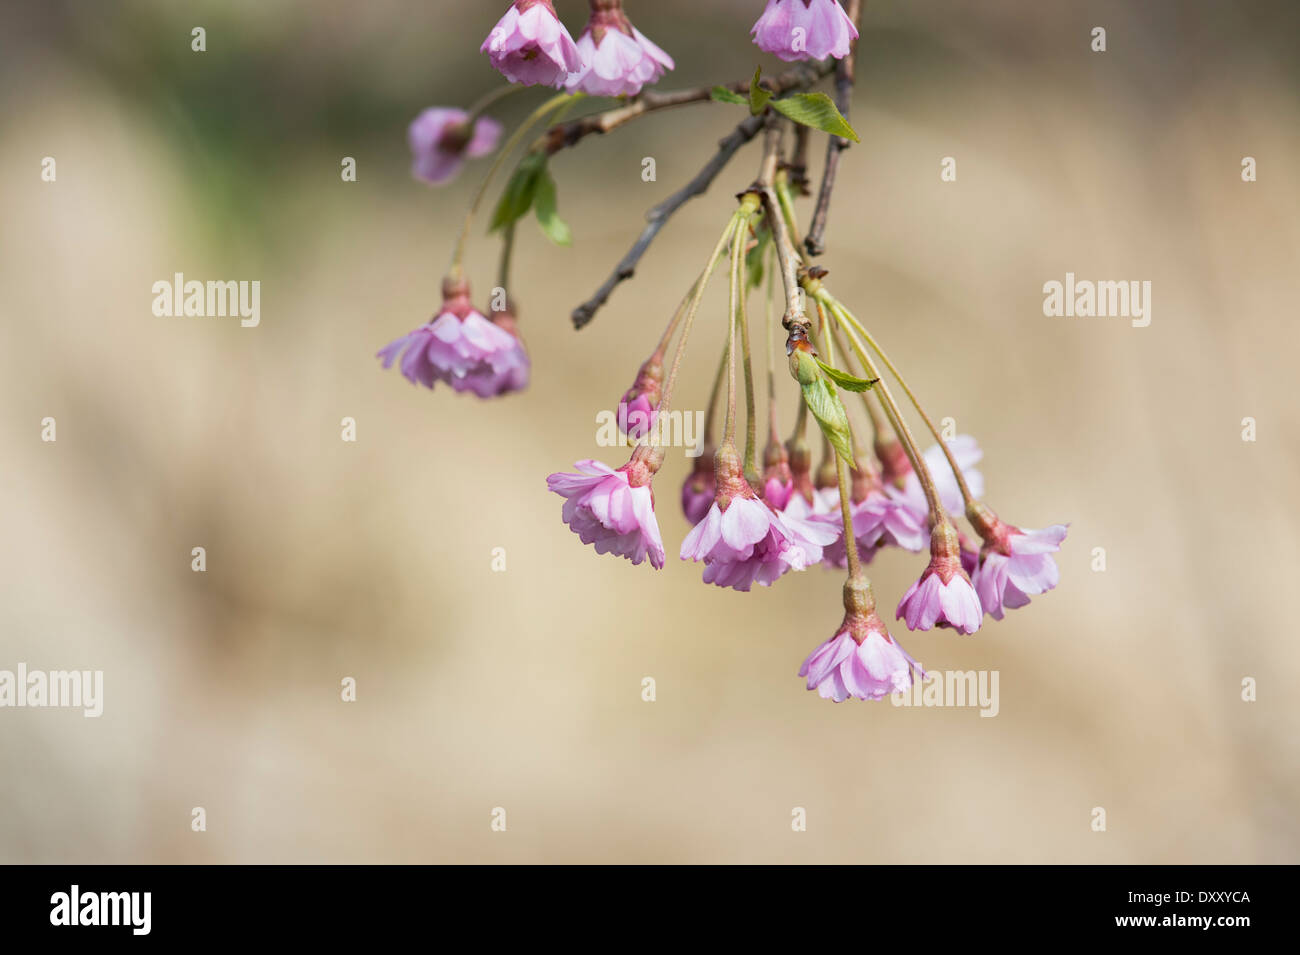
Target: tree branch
[
  {"x": 815, "y": 241},
  {"x": 659, "y": 215},
  {"x": 567, "y": 134},
  {"x": 563, "y": 135}
]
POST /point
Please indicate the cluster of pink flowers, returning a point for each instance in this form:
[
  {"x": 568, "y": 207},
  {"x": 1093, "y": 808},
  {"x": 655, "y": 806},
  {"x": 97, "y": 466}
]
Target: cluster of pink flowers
[
  {"x": 745, "y": 536},
  {"x": 530, "y": 46},
  {"x": 746, "y": 528}
]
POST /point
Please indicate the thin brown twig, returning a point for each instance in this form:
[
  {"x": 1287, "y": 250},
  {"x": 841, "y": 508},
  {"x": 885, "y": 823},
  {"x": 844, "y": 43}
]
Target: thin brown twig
[
  {"x": 659, "y": 215},
  {"x": 566, "y": 134},
  {"x": 563, "y": 135},
  {"x": 815, "y": 241}
]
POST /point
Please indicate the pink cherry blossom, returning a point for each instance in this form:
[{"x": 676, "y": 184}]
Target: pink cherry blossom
[
  {"x": 612, "y": 509},
  {"x": 617, "y": 59},
  {"x": 441, "y": 139},
  {"x": 1016, "y": 564},
  {"x": 741, "y": 540},
  {"x": 744, "y": 544},
  {"x": 862, "y": 660},
  {"x": 943, "y": 595},
  {"x": 529, "y": 45},
  {"x": 461, "y": 348},
  {"x": 804, "y": 29}
]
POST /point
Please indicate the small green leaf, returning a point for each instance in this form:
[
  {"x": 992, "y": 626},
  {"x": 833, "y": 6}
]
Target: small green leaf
[
  {"x": 845, "y": 380},
  {"x": 721, "y": 94},
  {"x": 758, "y": 96},
  {"x": 815, "y": 110},
  {"x": 829, "y": 411},
  {"x": 556, "y": 229},
  {"x": 520, "y": 192}
]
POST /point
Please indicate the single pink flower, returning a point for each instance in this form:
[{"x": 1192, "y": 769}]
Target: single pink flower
[
  {"x": 530, "y": 45},
  {"x": 613, "y": 509},
  {"x": 1014, "y": 564},
  {"x": 862, "y": 660},
  {"x": 442, "y": 138},
  {"x": 461, "y": 348},
  {"x": 943, "y": 595},
  {"x": 741, "y": 540},
  {"x": 638, "y": 408},
  {"x": 804, "y": 29},
  {"x": 699, "y": 488},
  {"x": 878, "y": 522},
  {"x": 617, "y": 59}
]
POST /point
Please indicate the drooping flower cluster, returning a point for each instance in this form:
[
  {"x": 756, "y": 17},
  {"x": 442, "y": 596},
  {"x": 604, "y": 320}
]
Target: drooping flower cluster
[{"x": 747, "y": 527}]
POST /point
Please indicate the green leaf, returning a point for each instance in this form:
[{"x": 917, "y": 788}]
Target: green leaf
[
  {"x": 721, "y": 94},
  {"x": 845, "y": 380},
  {"x": 758, "y": 96},
  {"x": 556, "y": 229},
  {"x": 829, "y": 411},
  {"x": 520, "y": 192},
  {"x": 815, "y": 110}
]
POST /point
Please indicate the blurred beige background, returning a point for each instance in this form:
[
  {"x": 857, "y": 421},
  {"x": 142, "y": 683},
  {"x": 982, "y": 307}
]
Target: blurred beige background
[{"x": 522, "y": 689}]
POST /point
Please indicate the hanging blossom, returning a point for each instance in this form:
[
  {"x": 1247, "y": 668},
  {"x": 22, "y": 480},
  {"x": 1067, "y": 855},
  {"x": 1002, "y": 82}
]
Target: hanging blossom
[
  {"x": 617, "y": 58},
  {"x": 805, "y": 29},
  {"x": 638, "y": 408},
  {"x": 613, "y": 509},
  {"x": 1014, "y": 564},
  {"x": 442, "y": 138},
  {"x": 862, "y": 660},
  {"x": 530, "y": 46},
  {"x": 462, "y": 348},
  {"x": 741, "y": 541},
  {"x": 943, "y": 596}
]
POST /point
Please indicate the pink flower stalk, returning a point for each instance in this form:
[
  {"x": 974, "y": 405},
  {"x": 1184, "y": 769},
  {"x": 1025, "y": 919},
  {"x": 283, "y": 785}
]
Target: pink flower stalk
[
  {"x": 741, "y": 540},
  {"x": 804, "y": 29},
  {"x": 529, "y": 45},
  {"x": 442, "y": 138},
  {"x": 614, "y": 509},
  {"x": 699, "y": 488},
  {"x": 861, "y": 660},
  {"x": 1014, "y": 564},
  {"x": 943, "y": 596},
  {"x": 461, "y": 348},
  {"x": 638, "y": 408},
  {"x": 617, "y": 58}
]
